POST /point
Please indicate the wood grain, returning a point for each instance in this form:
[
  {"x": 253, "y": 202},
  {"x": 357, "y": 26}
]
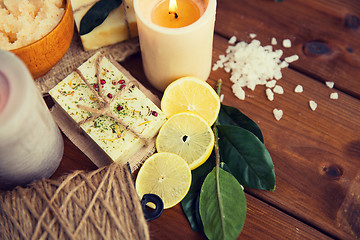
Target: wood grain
[
  {"x": 316, "y": 153},
  {"x": 333, "y": 26}
]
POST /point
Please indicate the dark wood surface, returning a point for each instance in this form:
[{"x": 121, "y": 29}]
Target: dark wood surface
[{"x": 316, "y": 153}]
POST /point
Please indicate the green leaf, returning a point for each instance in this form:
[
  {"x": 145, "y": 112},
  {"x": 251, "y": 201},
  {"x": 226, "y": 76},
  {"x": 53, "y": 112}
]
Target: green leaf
[
  {"x": 97, "y": 14},
  {"x": 222, "y": 206},
  {"x": 232, "y": 116},
  {"x": 190, "y": 204},
  {"x": 246, "y": 157}
]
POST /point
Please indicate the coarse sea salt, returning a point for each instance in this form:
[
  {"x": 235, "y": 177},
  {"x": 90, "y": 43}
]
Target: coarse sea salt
[
  {"x": 278, "y": 89},
  {"x": 232, "y": 40},
  {"x": 269, "y": 94},
  {"x": 298, "y": 89},
  {"x": 292, "y": 58},
  {"x": 313, "y": 105},
  {"x": 286, "y": 43},
  {"x": 329, "y": 84},
  {"x": 252, "y": 35},
  {"x": 270, "y": 84},
  {"x": 334, "y": 95},
  {"x": 250, "y": 65},
  {"x": 278, "y": 113},
  {"x": 273, "y": 41}
]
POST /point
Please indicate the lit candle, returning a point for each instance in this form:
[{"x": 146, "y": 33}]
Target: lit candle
[
  {"x": 168, "y": 14},
  {"x": 175, "y": 38},
  {"x": 31, "y": 145}
]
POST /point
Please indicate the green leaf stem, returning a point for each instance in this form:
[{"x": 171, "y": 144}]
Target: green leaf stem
[
  {"x": 97, "y": 14},
  {"x": 222, "y": 205}
]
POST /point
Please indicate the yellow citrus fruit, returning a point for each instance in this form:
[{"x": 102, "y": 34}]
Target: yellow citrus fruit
[
  {"x": 191, "y": 94},
  {"x": 187, "y": 135},
  {"x": 166, "y": 175}
]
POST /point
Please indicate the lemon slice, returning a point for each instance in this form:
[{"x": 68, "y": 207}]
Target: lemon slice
[
  {"x": 191, "y": 94},
  {"x": 166, "y": 175},
  {"x": 187, "y": 135}
]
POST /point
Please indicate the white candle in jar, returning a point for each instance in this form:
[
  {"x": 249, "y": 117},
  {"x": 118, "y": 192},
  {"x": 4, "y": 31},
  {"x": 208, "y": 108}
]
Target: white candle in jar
[
  {"x": 31, "y": 146},
  {"x": 170, "y": 51}
]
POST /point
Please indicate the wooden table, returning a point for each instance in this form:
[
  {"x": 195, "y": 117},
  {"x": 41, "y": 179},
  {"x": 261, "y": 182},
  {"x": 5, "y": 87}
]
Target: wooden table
[{"x": 316, "y": 153}]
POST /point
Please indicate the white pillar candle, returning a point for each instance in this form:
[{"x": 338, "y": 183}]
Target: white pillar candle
[
  {"x": 171, "y": 53},
  {"x": 31, "y": 146}
]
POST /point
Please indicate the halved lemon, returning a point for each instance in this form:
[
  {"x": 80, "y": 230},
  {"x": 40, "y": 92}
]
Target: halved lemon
[
  {"x": 166, "y": 175},
  {"x": 187, "y": 135},
  {"x": 193, "y": 95}
]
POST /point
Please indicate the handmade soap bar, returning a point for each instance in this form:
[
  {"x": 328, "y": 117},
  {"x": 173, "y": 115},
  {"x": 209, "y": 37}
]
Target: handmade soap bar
[
  {"x": 120, "y": 24},
  {"x": 115, "y": 113}
]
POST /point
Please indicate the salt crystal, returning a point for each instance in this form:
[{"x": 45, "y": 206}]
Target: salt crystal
[
  {"x": 298, "y": 89},
  {"x": 287, "y": 43},
  {"x": 334, "y": 95},
  {"x": 284, "y": 64},
  {"x": 251, "y": 64},
  {"x": 313, "y": 105},
  {"x": 278, "y": 89},
  {"x": 221, "y": 97},
  {"x": 232, "y": 40},
  {"x": 269, "y": 94},
  {"x": 271, "y": 83},
  {"x": 278, "y": 113},
  {"x": 329, "y": 84},
  {"x": 238, "y": 91},
  {"x": 273, "y": 41},
  {"x": 252, "y": 35},
  {"x": 292, "y": 58}
]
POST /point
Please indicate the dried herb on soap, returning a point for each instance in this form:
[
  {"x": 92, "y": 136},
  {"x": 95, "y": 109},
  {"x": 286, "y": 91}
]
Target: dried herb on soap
[{"x": 97, "y": 14}]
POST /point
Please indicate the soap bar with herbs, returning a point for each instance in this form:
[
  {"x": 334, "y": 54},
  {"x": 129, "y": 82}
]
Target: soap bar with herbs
[
  {"x": 131, "y": 120},
  {"x": 117, "y": 27}
]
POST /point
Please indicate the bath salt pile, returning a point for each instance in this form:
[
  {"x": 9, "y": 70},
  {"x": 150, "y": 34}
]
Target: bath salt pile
[{"x": 251, "y": 64}]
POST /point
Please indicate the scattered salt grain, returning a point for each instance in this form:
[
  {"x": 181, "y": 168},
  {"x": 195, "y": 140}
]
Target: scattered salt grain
[
  {"x": 278, "y": 114},
  {"x": 278, "y": 89},
  {"x": 221, "y": 97},
  {"x": 270, "y": 84},
  {"x": 269, "y": 94},
  {"x": 284, "y": 64},
  {"x": 287, "y": 43},
  {"x": 292, "y": 58},
  {"x": 232, "y": 40},
  {"x": 273, "y": 41},
  {"x": 298, "y": 89},
  {"x": 313, "y": 105},
  {"x": 334, "y": 95},
  {"x": 252, "y": 35},
  {"x": 238, "y": 91},
  {"x": 251, "y": 64},
  {"x": 329, "y": 84}
]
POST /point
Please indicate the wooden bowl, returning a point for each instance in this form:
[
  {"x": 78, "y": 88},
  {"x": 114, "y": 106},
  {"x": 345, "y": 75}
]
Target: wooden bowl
[{"x": 42, "y": 55}]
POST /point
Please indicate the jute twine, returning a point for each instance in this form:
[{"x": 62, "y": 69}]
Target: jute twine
[{"x": 101, "y": 204}]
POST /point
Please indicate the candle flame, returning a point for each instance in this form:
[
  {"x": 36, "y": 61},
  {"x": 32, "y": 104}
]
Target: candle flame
[{"x": 172, "y": 6}]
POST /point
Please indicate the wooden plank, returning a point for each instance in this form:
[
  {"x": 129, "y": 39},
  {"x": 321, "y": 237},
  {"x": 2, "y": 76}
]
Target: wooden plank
[
  {"x": 262, "y": 221},
  {"x": 316, "y": 153},
  {"x": 330, "y": 28}
]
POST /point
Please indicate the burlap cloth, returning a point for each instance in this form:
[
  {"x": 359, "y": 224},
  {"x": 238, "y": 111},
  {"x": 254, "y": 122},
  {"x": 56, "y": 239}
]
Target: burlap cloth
[
  {"x": 101, "y": 204},
  {"x": 76, "y": 55}
]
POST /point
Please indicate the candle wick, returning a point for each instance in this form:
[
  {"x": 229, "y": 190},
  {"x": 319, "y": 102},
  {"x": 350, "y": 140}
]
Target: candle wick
[{"x": 175, "y": 14}]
